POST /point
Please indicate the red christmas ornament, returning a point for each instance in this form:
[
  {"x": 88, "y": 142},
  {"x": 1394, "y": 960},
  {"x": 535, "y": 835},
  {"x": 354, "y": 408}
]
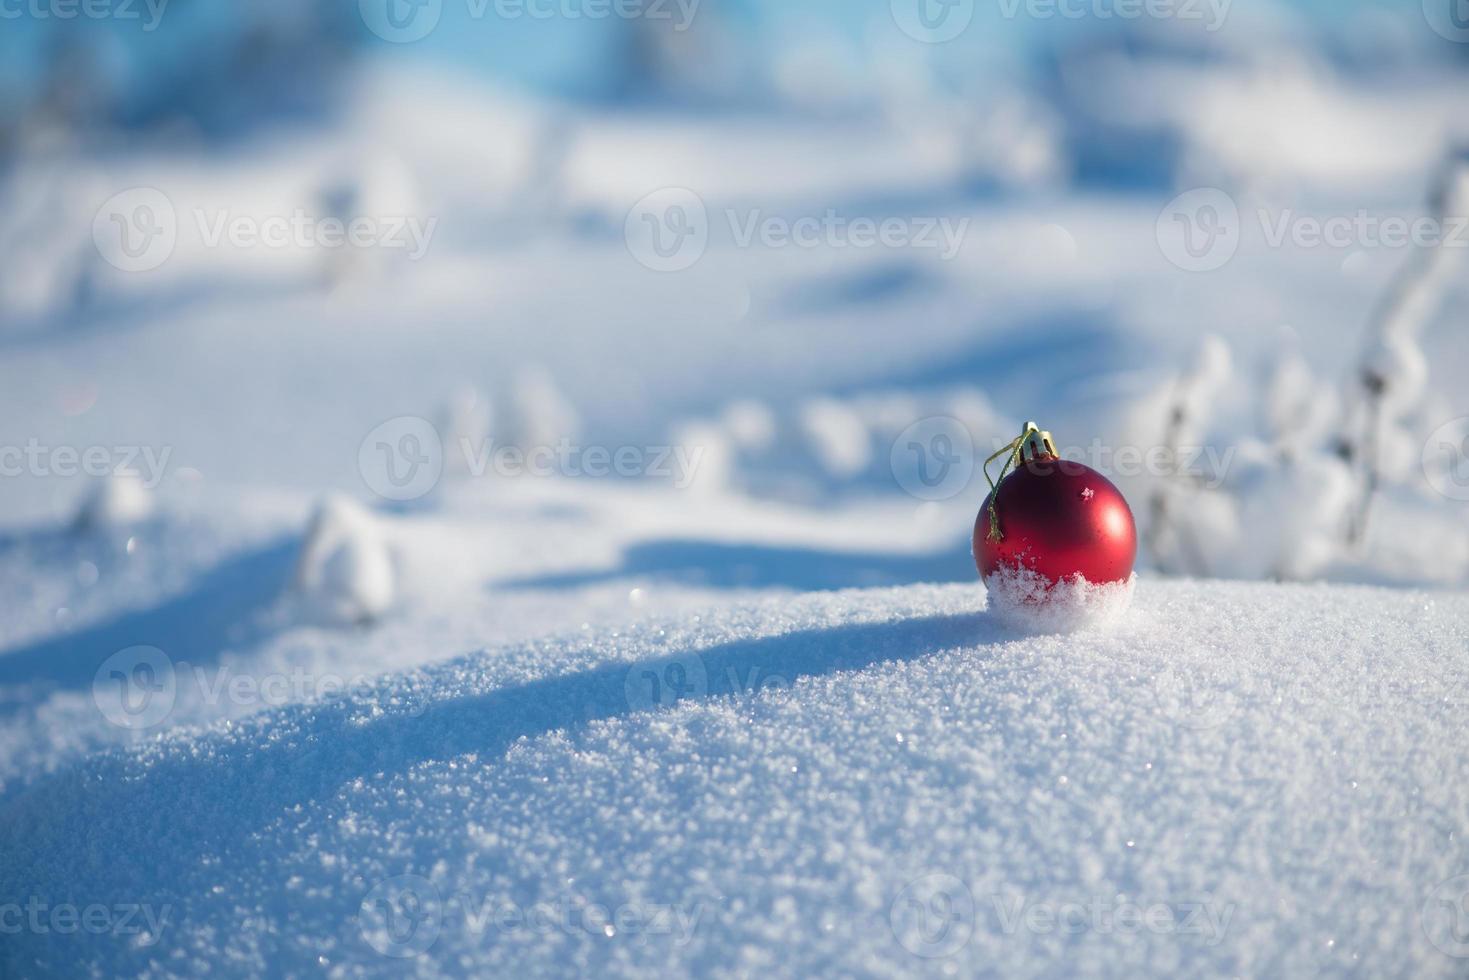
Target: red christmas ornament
[{"x": 1055, "y": 517}]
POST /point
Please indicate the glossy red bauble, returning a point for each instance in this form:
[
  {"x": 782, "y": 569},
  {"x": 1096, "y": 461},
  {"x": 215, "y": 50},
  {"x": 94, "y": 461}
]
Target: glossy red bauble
[{"x": 1058, "y": 518}]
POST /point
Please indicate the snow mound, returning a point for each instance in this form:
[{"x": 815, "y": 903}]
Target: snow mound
[
  {"x": 1237, "y": 780},
  {"x": 1029, "y": 602}
]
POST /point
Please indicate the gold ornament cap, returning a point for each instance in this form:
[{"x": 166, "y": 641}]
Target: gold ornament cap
[{"x": 1035, "y": 441}]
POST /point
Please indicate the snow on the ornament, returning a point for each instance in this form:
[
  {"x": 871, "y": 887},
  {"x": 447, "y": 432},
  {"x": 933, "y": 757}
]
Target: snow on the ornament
[
  {"x": 1029, "y": 602},
  {"x": 345, "y": 572}
]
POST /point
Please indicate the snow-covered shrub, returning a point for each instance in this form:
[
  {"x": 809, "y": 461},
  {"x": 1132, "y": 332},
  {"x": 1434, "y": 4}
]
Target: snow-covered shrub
[
  {"x": 1272, "y": 507},
  {"x": 540, "y": 413},
  {"x": 466, "y": 423},
  {"x": 1390, "y": 385},
  {"x": 838, "y": 437},
  {"x": 116, "y": 501},
  {"x": 345, "y": 572},
  {"x": 836, "y": 444}
]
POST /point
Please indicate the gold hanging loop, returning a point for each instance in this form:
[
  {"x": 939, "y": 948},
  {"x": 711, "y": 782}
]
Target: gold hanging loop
[{"x": 1030, "y": 444}]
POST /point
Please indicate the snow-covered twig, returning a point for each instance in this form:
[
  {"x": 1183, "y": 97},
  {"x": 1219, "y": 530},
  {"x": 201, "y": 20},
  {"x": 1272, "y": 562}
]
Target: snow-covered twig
[
  {"x": 1187, "y": 403},
  {"x": 1393, "y": 367}
]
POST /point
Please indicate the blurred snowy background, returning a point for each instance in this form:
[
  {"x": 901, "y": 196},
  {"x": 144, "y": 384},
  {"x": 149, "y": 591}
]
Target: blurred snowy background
[
  {"x": 173, "y": 175},
  {"x": 349, "y": 337}
]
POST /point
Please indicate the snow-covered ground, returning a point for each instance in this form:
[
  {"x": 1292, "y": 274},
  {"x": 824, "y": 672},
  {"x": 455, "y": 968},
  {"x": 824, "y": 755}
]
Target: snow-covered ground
[
  {"x": 1237, "y": 780},
  {"x": 330, "y": 687}
]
